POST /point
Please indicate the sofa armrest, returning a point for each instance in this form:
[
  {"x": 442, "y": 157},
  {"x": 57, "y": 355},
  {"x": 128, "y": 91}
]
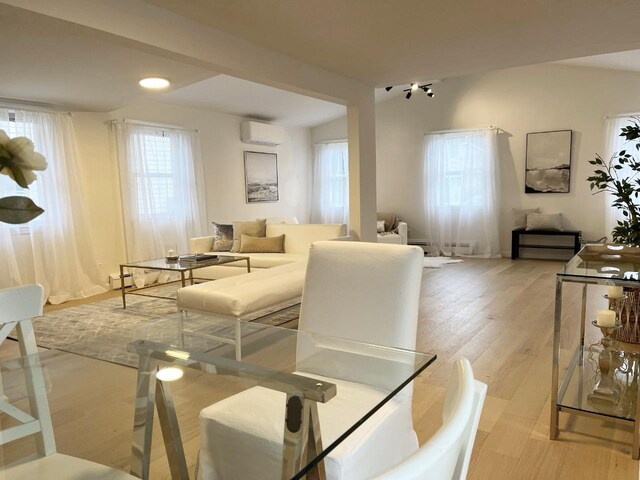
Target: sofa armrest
[
  {"x": 402, "y": 231},
  {"x": 201, "y": 244}
]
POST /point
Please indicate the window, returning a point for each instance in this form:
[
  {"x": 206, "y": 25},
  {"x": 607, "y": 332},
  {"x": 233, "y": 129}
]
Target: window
[
  {"x": 155, "y": 175},
  {"x": 461, "y": 191},
  {"x": 161, "y": 187},
  {"x": 7, "y": 185},
  {"x": 330, "y": 202}
]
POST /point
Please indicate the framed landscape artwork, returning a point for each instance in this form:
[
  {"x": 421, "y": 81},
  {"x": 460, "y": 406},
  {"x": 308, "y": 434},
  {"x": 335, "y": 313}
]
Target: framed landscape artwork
[
  {"x": 261, "y": 177},
  {"x": 548, "y": 164}
]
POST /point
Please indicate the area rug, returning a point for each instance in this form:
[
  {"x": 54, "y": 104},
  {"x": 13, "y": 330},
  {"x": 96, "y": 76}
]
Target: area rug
[
  {"x": 438, "y": 262},
  {"x": 103, "y": 329}
]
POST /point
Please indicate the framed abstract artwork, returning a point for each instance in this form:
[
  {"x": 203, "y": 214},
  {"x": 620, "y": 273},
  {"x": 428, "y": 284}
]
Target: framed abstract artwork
[
  {"x": 261, "y": 177},
  {"x": 548, "y": 163}
]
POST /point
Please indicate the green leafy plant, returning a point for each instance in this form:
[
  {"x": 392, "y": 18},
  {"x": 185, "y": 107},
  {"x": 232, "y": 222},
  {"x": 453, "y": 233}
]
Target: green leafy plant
[{"x": 18, "y": 160}]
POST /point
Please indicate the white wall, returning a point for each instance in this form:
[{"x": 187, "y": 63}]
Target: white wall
[
  {"x": 223, "y": 162},
  {"x": 519, "y": 100}
]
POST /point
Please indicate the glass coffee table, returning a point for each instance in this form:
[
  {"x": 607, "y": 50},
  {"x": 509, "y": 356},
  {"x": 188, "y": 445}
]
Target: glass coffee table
[{"x": 185, "y": 269}]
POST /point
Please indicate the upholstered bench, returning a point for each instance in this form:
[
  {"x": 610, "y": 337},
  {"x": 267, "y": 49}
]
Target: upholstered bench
[{"x": 244, "y": 296}]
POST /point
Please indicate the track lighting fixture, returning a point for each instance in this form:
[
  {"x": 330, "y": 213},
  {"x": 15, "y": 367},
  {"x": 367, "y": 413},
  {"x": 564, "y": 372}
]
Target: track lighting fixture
[{"x": 426, "y": 88}]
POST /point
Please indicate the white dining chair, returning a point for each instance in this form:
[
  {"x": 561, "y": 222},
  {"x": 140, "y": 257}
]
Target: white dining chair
[
  {"x": 359, "y": 291},
  {"x": 17, "y": 307},
  {"x": 446, "y": 455}
]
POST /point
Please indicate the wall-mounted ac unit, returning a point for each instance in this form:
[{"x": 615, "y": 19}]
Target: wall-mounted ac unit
[{"x": 261, "y": 133}]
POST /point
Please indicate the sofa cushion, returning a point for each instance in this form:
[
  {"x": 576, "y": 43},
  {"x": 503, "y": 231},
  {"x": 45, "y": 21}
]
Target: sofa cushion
[
  {"x": 243, "y": 294},
  {"x": 255, "y": 229},
  {"x": 298, "y": 238},
  {"x": 222, "y": 237},
  {"x": 249, "y": 244}
]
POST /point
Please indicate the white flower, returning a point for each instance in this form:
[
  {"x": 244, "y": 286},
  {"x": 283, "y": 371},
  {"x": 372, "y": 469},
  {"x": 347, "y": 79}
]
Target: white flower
[{"x": 23, "y": 156}]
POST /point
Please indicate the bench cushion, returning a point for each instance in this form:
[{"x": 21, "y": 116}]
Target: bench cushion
[{"x": 243, "y": 294}]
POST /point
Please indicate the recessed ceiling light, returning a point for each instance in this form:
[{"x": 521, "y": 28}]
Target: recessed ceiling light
[{"x": 154, "y": 83}]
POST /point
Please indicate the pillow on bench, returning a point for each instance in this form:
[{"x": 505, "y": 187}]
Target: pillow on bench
[
  {"x": 544, "y": 221},
  {"x": 249, "y": 244}
]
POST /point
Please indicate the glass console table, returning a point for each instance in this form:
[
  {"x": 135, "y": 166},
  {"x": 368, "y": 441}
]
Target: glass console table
[{"x": 611, "y": 265}]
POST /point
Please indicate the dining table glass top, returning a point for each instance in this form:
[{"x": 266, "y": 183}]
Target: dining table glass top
[{"x": 208, "y": 360}]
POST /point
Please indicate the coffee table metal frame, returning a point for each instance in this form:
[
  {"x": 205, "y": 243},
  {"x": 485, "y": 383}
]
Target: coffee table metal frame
[{"x": 168, "y": 266}]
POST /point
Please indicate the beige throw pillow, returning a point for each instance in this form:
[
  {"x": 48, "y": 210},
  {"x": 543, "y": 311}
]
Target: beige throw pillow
[
  {"x": 544, "y": 221},
  {"x": 257, "y": 228},
  {"x": 520, "y": 216},
  {"x": 249, "y": 244}
]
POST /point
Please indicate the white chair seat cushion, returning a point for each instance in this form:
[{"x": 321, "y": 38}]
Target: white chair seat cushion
[
  {"x": 246, "y": 433},
  {"x": 243, "y": 294},
  {"x": 60, "y": 467}
]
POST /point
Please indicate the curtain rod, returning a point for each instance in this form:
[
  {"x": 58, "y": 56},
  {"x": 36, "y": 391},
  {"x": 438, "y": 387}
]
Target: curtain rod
[
  {"x": 337, "y": 140},
  {"x": 15, "y": 106},
  {"x": 621, "y": 115},
  {"x": 490, "y": 127},
  {"x": 151, "y": 124}
]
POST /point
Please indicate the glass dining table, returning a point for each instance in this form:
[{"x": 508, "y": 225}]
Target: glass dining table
[{"x": 179, "y": 373}]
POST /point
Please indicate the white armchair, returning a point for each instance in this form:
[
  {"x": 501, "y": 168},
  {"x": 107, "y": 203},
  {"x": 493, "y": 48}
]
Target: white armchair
[
  {"x": 399, "y": 238},
  {"x": 242, "y": 436}
]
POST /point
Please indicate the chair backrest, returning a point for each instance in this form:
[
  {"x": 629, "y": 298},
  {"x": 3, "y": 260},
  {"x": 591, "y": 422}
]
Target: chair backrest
[
  {"x": 362, "y": 291},
  {"x": 446, "y": 455},
  {"x": 17, "y": 307}
]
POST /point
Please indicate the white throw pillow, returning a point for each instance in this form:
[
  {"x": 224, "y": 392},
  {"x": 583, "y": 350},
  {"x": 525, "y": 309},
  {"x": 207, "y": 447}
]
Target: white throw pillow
[
  {"x": 544, "y": 221},
  {"x": 381, "y": 226},
  {"x": 520, "y": 216}
]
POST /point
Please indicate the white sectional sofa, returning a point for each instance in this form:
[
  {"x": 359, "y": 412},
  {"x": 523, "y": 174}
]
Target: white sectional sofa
[{"x": 297, "y": 239}]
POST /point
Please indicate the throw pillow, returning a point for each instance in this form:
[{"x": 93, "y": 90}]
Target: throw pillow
[
  {"x": 390, "y": 221},
  {"x": 380, "y": 226},
  {"x": 256, "y": 228},
  {"x": 520, "y": 216},
  {"x": 544, "y": 221},
  {"x": 249, "y": 244},
  {"x": 222, "y": 237}
]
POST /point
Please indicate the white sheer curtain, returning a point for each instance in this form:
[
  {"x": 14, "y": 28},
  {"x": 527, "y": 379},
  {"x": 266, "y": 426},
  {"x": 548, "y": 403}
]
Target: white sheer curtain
[
  {"x": 461, "y": 185},
  {"x": 616, "y": 143},
  {"x": 330, "y": 198},
  {"x": 55, "y": 249},
  {"x": 161, "y": 183}
]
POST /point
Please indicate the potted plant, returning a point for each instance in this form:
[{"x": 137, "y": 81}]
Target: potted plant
[
  {"x": 619, "y": 176},
  {"x": 625, "y": 189}
]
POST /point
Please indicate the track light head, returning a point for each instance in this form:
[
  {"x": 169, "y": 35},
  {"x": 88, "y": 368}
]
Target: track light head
[
  {"x": 408, "y": 95},
  {"x": 388, "y": 88},
  {"x": 414, "y": 87},
  {"x": 430, "y": 94}
]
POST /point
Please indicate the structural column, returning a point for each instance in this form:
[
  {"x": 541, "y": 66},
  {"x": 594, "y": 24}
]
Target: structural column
[{"x": 361, "y": 133}]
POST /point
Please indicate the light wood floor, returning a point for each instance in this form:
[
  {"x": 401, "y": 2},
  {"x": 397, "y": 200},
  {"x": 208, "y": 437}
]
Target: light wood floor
[{"x": 498, "y": 313}]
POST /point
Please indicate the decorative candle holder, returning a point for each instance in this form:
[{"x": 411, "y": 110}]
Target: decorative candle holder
[
  {"x": 171, "y": 253},
  {"x": 605, "y": 389}
]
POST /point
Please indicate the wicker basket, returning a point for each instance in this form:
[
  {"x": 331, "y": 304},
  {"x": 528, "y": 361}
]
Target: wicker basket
[{"x": 628, "y": 310}]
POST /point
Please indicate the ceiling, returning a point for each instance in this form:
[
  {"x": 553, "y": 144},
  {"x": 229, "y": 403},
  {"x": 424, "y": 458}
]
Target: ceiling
[
  {"x": 380, "y": 42},
  {"x": 68, "y": 66},
  {"x": 227, "y": 94},
  {"x": 386, "y": 42},
  {"x": 617, "y": 61}
]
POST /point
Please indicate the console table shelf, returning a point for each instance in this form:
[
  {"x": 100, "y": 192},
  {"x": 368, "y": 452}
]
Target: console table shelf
[{"x": 518, "y": 232}]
